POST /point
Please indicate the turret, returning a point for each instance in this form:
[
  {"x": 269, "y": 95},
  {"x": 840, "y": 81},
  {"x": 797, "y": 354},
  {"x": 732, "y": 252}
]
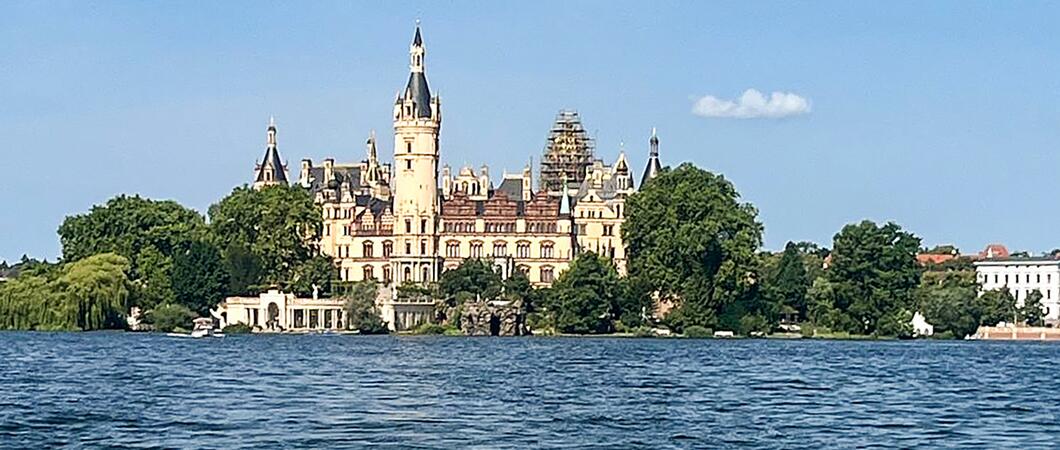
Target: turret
[
  {"x": 272, "y": 170},
  {"x": 654, "y": 167}
]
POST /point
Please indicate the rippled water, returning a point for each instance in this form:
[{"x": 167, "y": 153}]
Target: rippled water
[{"x": 140, "y": 390}]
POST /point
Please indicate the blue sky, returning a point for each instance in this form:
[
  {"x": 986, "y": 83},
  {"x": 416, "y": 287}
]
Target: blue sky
[{"x": 942, "y": 116}]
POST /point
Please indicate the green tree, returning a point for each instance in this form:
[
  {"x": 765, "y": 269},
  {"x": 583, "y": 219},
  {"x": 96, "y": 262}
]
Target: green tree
[
  {"x": 361, "y": 313},
  {"x": 874, "y": 275},
  {"x": 996, "y": 306},
  {"x": 949, "y": 303},
  {"x": 169, "y": 317},
  {"x": 786, "y": 286},
  {"x": 1031, "y": 311},
  {"x": 585, "y": 294},
  {"x": 146, "y": 232},
  {"x": 313, "y": 275},
  {"x": 244, "y": 270},
  {"x": 688, "y": 238},
  {"x": 200, "y": 279},
  {"x": 277, "y": 224},
  {"x": 473, "y": 277},
  {"x": 88, "y": 294}
]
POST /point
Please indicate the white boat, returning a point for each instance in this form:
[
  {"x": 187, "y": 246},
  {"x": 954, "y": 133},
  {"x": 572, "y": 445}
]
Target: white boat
[{"x": 203, "y": 328}]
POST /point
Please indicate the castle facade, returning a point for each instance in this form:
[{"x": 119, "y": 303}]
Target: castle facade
[{"x": 411, "y": 220}]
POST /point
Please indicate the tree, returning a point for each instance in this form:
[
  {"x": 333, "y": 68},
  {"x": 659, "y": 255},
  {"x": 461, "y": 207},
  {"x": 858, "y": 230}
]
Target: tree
[
  {"x": 874, "y": 275},
  {"x": 146, "y": 232},
  {"x": 313, "y": 276},
  {"x": 473, "y": 277},
  {"x": 949, "y": 302},
  {"x": 585, "y": 294},
  {"x": 996, "y": 306},
  {"x": 361, "y": 312},
  {"x": 688, "y": 238},
  {"x": 1031, "y": 311},
  {"x": 277, "y": 224},
  {"x": 169, "y": 317},
  {"x": 787, "y": 285},
  {"x": 200, "y": 279},
  {"x": 88, "y": 294},
  {"x": 244, "y": 270}
]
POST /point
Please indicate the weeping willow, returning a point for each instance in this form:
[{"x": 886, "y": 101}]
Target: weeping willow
[{"x": 89, "y": 294}]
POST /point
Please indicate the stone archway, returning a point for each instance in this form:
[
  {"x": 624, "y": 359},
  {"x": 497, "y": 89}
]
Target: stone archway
[
  {"x": 272, "y": 317},
  {"x": 495, "y": 325}
]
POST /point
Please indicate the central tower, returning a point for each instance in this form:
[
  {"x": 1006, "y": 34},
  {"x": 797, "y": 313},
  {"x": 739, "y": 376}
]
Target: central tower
[{"x": 417, "y": 122}]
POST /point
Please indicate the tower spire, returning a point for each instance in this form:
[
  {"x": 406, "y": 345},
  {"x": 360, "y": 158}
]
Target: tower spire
[
  {"x": 654, "y": 167},
  {"x": 272, "y": 170}
]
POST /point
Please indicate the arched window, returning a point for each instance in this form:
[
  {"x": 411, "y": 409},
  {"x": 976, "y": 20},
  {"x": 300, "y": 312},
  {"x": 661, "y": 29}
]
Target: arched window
[
  {"x": 368, "y": 274},
  {"x": 426, "y": 273},
  {"x": 522, "y": 249},
  {"x": 452, "y": 249},
  {"x": 546, "y": 274},
  {"x": 369, "y": 251},
  {"x": 546, "y": 250},
  {"x": 386, "y": 274},
  {"x": 388, "y": 248},
  {"x": 408, "y": 274},
  {"x": 476, "y": 249},
  {"x": 500, "y": 249}
]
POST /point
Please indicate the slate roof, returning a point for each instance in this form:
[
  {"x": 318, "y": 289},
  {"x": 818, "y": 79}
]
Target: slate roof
[
  {"x": 272, "y": 159},
  {"x": 419, "y": 92},
  {"x": 512, "y": 187}
]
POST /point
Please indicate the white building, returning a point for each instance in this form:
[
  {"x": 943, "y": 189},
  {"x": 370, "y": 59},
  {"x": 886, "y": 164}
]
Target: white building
[{"x": 1022, "y": 277}]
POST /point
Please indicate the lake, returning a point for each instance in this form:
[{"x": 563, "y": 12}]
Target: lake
[{"x": 324, "y": 391}]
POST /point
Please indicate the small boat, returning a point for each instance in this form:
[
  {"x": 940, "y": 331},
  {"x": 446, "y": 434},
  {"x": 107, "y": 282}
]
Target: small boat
[{"x": 203, "y": 328}]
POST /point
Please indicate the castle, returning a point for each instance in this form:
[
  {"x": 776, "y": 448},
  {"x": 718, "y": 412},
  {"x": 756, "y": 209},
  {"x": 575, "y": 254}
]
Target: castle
[{"x": 399, "y": 223}]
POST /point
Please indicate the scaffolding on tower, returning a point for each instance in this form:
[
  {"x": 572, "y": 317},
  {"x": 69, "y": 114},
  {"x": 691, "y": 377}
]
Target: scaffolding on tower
[{"x": 567, "y": 155}]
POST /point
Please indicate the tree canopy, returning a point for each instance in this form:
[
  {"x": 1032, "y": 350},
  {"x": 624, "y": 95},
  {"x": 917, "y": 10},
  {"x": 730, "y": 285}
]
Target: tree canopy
[
  {"x": 585, "y": 295},
  {"x": 472, "y": 278},
  {"x": 871, "y": 280},
  {"x": 88, "y": 294},
  {"x": 278, "y": 226},
  {"x": 361, "y": 313},
  {"x": 689, "y": 238},
  {"x": 146, "y": 232}
]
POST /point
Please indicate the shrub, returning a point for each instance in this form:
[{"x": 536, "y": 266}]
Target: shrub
[
  {"x": 169, "y": 317},
  {"x": 698, "y": 332},
  {"x": 643, "y": 331},
  {"x": 237, "y": 328}
]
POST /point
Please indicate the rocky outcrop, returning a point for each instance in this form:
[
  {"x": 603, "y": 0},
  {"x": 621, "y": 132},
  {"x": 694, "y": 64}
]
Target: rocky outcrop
[{"x": 493, "y": 318}]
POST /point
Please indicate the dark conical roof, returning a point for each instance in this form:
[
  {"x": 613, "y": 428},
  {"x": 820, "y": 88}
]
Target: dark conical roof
[
  {"x": 652, "y": 170},
  {"x": 419, "y": 92},
  {"x": 271, "y": 163},
  {"x": 417, "y": 40}
]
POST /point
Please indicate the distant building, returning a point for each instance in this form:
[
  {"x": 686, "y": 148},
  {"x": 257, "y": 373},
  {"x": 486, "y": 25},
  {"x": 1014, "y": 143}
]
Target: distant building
[
  {"x": 994, "y": 251},
  {"x": 410, "y": 221},
  {"x": 1022, "y": 276}
]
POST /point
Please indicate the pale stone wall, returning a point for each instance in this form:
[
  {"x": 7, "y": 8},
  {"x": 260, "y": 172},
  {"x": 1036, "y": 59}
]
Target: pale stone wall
[{"x": 278, "y": 311}]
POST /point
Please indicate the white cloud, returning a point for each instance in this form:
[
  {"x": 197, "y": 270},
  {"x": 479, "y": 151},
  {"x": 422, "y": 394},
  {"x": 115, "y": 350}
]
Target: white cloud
[{"x": 752, "y": 104}]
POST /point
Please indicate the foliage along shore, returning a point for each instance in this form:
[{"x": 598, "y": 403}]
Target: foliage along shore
[{"x": 694, "y": 262}]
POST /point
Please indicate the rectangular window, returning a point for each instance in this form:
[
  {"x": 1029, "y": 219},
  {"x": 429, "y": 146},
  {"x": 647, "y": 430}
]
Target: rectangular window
[
  {"x": 408, "y": 225},
  {"x": 423, "y": 226},
  {"x": 408, "y": 164}
]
